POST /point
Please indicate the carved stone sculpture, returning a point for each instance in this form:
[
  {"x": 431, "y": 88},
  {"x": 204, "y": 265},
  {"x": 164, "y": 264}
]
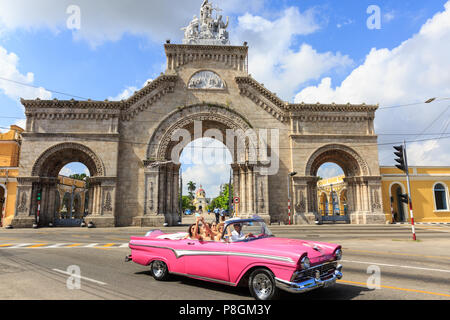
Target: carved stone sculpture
[{"x": 207, "y": 30}]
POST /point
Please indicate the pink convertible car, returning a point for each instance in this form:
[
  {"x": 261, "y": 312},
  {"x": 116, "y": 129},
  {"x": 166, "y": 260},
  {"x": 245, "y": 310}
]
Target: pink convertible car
[{"x": 248, "y": 254}]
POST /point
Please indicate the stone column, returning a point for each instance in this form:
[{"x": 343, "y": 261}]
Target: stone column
[
  {"x": 104, "y": 202},
  {"x": 304, "y": 200},
  {"x": 152, "y": 215},
  {"x": 243, "y": 192},
  {"x": 250, "y": 187},
  {"x": 175, "y": 194},
  {"x": 261, "y": 194},
  {"x": 24, "y": 216},
  {"x": 236, "y": 184}
]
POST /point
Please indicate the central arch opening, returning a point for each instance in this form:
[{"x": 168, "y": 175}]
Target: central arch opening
[
  {"x": 66, "y": 187},
  {"x": 72, "y": 196},
  {"x": 331, "y": 191},
  {"x": 338, "y": 187},
  {"x": 205, "y": 179}
]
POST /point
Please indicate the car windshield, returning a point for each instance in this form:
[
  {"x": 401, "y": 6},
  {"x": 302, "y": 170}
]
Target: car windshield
[{"x": 246, "y": 231}]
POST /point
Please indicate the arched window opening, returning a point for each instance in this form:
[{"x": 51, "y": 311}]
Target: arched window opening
[{"x": 440, "y": 198}]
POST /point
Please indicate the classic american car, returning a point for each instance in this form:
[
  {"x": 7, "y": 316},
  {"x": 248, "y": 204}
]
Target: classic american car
[{"x": 248, "y": 254}]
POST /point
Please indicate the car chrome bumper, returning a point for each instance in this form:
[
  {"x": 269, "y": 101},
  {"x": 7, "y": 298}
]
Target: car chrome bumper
[{"x": 310, "y": 284}]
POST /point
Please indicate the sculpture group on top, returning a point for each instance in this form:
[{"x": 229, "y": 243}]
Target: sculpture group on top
[{"x": 207, "y": 30}]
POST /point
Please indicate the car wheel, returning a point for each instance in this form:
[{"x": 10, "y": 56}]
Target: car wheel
[
  {"x": 262, "y": 285},
  {"x": 159, "y": 270}
]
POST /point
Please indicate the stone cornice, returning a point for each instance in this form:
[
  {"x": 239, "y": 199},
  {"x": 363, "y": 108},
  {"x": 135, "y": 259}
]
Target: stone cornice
[
  {"x": 206, "y": 48},
  {"x": 318, "y": 107},
  {"x": 39, "y": 135},
  {"x": 255, "y": 91},
  {"x": 327, "y": 117},
  {"x": 178, "y": 55},
  {"x": 162, "y": 82},
  {"x": 84, "y": 110},
  {"x": 333, "y": 136},
  {"x": 32, "y": 106}
]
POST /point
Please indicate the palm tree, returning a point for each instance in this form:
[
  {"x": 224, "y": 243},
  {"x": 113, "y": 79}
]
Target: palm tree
[{"x": 191, "y": 187}]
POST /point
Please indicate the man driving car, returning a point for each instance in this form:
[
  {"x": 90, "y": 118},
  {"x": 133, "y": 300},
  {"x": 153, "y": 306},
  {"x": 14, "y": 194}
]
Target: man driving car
[{"x": 237, "y": 233}]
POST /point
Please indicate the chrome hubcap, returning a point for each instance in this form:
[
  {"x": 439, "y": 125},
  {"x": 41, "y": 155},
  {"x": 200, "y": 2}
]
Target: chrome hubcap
[
  {"x": 158, "y": 268},
  {"x": 262, "y": 286}
]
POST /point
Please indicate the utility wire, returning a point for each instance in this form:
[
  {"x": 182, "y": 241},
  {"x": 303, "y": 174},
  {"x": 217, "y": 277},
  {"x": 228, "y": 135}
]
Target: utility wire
[{"x": 37, "y": 87}]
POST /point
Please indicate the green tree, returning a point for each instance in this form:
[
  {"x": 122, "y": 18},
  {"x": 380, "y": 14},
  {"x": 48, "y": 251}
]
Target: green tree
[
  {"x": 191, "y": 188},
  {"x": 186, "y": 203},
  {"x": 222, "y": 200},
  {"x": 82, "y": 177}
]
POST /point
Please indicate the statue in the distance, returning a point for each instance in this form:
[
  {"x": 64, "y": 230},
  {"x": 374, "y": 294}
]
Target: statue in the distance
[{"x": 207, "y": 30}]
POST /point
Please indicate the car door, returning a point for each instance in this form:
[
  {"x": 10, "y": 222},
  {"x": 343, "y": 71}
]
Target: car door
[{"x": 206, "y": 259}]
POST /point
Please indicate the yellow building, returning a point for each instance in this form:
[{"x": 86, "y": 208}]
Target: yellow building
[
  {"x": 429, "y": 193},
  {"x": 200, "y": 200},
  {"x": 9, "y": 163},
  {"x": 332, "y": 198}
]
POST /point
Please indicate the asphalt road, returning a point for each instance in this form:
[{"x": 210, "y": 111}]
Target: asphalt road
[{"x": 408, "y": 270}]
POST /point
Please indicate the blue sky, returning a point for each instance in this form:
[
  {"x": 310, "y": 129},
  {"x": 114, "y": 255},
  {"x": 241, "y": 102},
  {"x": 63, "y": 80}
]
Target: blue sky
[{"x": 327, "y": 44}]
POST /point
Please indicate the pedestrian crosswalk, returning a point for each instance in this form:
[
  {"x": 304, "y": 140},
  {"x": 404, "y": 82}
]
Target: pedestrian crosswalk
[{"x": 62, "y": 245}]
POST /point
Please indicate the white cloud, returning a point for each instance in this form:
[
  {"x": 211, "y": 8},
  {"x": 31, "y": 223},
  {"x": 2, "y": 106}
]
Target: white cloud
[
  {"x": 66, "y": 171},
  {"x": 109, "y": 20},
  {"x": 414, "y": 71},
  {"x": 9, "y": 64},
  {"x": 274, "y": 60},
  {"x": 389, "y": 16},
  {"x": 329, "y": 170}
]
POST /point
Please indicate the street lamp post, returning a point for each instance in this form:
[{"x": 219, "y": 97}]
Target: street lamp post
[
  {"x": 436, "y": 99},
  {"x": 289, "y": 193}
]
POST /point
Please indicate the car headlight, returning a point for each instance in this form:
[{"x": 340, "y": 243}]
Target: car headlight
[
  {"x": 305, "y": 263},
  {"x": 338, "y": 254}
]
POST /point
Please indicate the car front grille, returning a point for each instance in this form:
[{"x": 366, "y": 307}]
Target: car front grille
[{"x": 326, "y": 271}]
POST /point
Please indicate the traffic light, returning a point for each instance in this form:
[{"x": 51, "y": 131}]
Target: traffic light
[
  {"x": 39, "y": 195},
  {"x": 403, "y": 198},
  {"x": 401, "y": 158}
]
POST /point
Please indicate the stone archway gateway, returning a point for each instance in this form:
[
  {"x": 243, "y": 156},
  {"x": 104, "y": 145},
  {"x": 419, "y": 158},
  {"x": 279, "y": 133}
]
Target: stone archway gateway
[{"x": 130, "y": 146}]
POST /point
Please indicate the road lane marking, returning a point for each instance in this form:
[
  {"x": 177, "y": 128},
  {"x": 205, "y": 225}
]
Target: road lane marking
[
  {"x": 58, "y": 245},
  {"x": 38, "y": 245},
  {"x": 18, "y": 246},
  {"x": 91, "y": 245},
  {"x": 397, "y": 254},
  {"x": 82, "y": 278},
  {"x": 394, "y": 288},
  {"x": 396, "y": 266},
  {"x": 63, "y": 245}
]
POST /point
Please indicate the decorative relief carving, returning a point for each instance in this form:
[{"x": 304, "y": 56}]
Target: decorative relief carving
[
  {"x": 108, "y": 202},
  {"x": 300, "y": 206},
  {"x": 376, "y": 201},
  {"x": 150, "y": 201},
  {"x": 206, "y": 80},
  {"x": 23, "y": 202}
]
